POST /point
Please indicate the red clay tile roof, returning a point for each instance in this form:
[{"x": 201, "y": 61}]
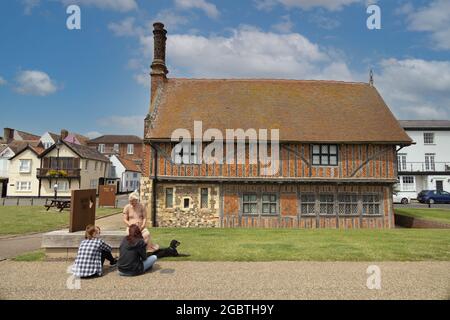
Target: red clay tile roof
[
  {"x": 116, "y": 139},
  {"x": 129, "y": 165},
  {"x": 306, "y": 111}
]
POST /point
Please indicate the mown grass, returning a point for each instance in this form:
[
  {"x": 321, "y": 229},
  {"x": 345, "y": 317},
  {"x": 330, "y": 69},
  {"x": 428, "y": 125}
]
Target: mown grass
[
  {"x": 439, "y": 215},
  {"x": 33, "y": 256},
  {"x": 15, "y": 220},
  {"x": 307, "y": 245}
]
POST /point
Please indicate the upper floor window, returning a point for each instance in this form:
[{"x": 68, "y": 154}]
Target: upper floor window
[
  {"x": 401, "y": 159},
  {"x": 429, "y": 162},
  {"x": 116, "y": 147},
  {"x": 325, "y": 154},
  {"x": 96, "y": 165},
  {"x": 101, "y": 148},
  {"x": 186, "y": 154},
  {"x": 47, "y": 145},
  {"x": 428, "y": 137},
  {"x": 130, "y": 149},
  {"x": 25, "y": 166},
  {"x": 86, "y": 165}
]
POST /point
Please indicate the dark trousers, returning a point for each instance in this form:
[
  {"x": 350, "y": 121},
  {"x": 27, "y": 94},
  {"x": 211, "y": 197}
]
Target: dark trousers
[{"x": 106, "y": 255}]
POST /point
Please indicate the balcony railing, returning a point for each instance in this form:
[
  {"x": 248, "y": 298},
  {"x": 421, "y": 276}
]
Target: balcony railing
[
  {"x": 424, "y": 167},
  {"x": 58, "y": 173}
]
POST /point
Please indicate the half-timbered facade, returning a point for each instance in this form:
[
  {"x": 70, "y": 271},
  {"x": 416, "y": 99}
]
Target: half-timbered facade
[{"x": 337, "y": 153}]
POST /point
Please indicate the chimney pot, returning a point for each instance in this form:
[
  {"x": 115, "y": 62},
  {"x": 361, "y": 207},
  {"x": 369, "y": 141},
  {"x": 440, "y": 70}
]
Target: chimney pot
[{"x": 159, "y": 52}]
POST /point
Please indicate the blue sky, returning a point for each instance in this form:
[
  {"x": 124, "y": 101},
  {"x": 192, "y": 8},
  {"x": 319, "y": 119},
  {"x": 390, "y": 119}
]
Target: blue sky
[{"x": 95, "y": 80}]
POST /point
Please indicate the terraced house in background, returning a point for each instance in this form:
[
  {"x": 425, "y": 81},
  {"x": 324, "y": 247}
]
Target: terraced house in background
[{"x": 338, "y": 161}]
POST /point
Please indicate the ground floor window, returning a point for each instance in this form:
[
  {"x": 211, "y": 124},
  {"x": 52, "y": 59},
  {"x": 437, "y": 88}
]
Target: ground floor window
[
  {"x": 348, "y": 204},
  {"x": 269, "y": 204},
  {"x": 94, "y": 184},
  {"x": 250, "y": 203},
  {"x": 307, "y": 204},
  {"x": 169, "y": 198},
  {"x": 23, "y": 186},
  {"x": 204, "y": 198},
  {"x": 371, "y": 204},
  {"x": 326, "y": 204},
  {"x": 408, "y": 183},
  {"x": 63, "y": 186}
]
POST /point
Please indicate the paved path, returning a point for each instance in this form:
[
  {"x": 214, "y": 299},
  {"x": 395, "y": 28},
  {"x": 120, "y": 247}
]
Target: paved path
[
  {"x": 13, "y": 246},
  {"x": 232, "y": 280}
]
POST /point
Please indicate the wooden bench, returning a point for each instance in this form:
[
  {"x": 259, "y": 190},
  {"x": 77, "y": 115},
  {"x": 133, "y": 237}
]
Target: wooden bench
[
  {"x": 57, "y": 203},
  {"x": 64, "y": 245}
]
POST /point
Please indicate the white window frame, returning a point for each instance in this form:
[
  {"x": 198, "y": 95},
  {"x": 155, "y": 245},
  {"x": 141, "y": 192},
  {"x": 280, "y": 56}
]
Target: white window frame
[
  {"x": 116, "y": 147},
  {"x": 20, "y": 184},
  {"x": 65, "y": 184},
  {"x": 26, "y": 170},
  {"x": 130, "y": 149},
  {"x": 401, "y": 159},
  {"x": 101, "y": 148},
  {"x": 430, "y": 164},
  {"x": 408, "y": 185}
]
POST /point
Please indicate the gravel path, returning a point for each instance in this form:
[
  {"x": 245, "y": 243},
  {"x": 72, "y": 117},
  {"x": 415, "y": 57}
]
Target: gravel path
[{"x": 232, "y": 280}]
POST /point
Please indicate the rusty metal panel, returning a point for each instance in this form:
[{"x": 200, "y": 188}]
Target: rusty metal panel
[
  {"x": 107, "y": 196},
  {"x": 82, "y": 209}
]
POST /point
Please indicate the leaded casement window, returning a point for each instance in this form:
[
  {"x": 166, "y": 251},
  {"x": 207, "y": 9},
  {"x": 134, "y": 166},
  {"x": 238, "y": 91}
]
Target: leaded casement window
[
  {"x": 428, "y": 138},
  {"x": 307, "y": 203},
  {"x": 269, "y": 203},
  {"x": 25, "y": 166},
  {"x": 348, "y": 204},
  {"x": 250, "y": 203},
  {"x": 325, "y": 154},
  {"x": 204, "y": 198},
  {"x": 169, "y": 198},
  {"x": 371, "y": 204},
  {"x": 326, "y": 204}
]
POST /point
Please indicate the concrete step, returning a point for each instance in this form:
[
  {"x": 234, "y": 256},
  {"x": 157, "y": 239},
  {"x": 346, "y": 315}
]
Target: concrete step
[{"x": 64, "y": 245}]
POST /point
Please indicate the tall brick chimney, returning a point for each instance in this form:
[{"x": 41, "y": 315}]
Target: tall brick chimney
[
  {"x": 159, "y": 69},
  {"x": 64, "y": 134}
]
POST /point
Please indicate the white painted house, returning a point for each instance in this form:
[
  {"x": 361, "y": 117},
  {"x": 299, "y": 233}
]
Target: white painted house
[
  {"x": 426, "y": 164},
  {"x": 127, "y": 173}
]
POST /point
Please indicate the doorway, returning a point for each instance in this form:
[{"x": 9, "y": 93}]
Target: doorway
[{"x": 439, "y": 185}]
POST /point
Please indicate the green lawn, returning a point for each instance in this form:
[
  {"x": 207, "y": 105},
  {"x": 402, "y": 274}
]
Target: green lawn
[
  {"x": 439, "y": 215},
  {"x": 22, "y": 219},
  {"x": 310, "y": 245}
]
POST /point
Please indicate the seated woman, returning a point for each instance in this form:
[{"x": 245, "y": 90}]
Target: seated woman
[
  {"x": 135, "y": 213},
  {"x": 133, "y": 259},
  {"x": 92, "y": 254}
]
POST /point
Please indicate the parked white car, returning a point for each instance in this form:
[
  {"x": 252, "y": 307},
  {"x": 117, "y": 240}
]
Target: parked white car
[{"x": 401, "y": 198}]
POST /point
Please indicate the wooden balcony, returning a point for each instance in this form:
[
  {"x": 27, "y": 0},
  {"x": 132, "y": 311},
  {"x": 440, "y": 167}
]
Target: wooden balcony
[{"x": 52, "y": 173}]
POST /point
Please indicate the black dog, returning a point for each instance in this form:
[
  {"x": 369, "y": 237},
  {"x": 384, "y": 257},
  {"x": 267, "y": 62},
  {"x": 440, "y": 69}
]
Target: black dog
[{"x": 171, "y": 251}]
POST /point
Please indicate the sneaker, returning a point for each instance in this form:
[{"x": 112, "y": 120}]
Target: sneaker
[{"x": 113, "y": 263}]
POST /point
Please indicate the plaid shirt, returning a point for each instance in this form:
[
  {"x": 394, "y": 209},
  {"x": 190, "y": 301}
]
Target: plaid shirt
[{"x": 89, "y": 258}]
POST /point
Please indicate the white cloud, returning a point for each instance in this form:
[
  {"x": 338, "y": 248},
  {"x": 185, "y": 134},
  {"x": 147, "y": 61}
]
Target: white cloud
[
  {"x": 434, "y": 18},
  {"x": 285, "y": 26},
  {"x": 125, "y": 27},
  {"x": 29, "y": 5},
  {"x": 115, "y": 5},
  {"x": 92, "y": 134},
  {"x": 2, "y": 81},
  {"x": 249, "y": 52},
  {"x": 208, "y": 8},
  {"x": 123, "y": 124},
  {"x": 416, "y": 88},
  {"x": 331, "y": 5},
  {"x": 33, "y": 82},
  {"x": 171, "y": 19},
  {"x": 323, "y": 21}
]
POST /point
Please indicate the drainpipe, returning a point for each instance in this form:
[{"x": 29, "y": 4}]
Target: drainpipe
[{"x": 155, "y": 223}]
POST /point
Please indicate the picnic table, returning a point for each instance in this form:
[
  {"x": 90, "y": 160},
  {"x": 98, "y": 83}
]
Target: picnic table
[{"x": 60, "y": 204}]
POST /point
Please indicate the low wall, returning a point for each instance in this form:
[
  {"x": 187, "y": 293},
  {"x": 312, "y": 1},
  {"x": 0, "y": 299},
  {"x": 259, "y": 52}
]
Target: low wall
[
  {"x": 64, "y": 245},
  {"x": 411, "y": 222}
]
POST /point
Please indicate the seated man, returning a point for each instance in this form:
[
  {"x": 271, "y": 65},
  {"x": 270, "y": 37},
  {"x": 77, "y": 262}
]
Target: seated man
[{"x": 135, "y": 213}]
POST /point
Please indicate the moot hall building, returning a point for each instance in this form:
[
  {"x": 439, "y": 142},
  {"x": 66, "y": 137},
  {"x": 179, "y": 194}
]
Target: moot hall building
[{"x": 337, "y": 163}]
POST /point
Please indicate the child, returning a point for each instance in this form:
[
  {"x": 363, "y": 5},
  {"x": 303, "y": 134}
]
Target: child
[{"x": 92, "y": 254}]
